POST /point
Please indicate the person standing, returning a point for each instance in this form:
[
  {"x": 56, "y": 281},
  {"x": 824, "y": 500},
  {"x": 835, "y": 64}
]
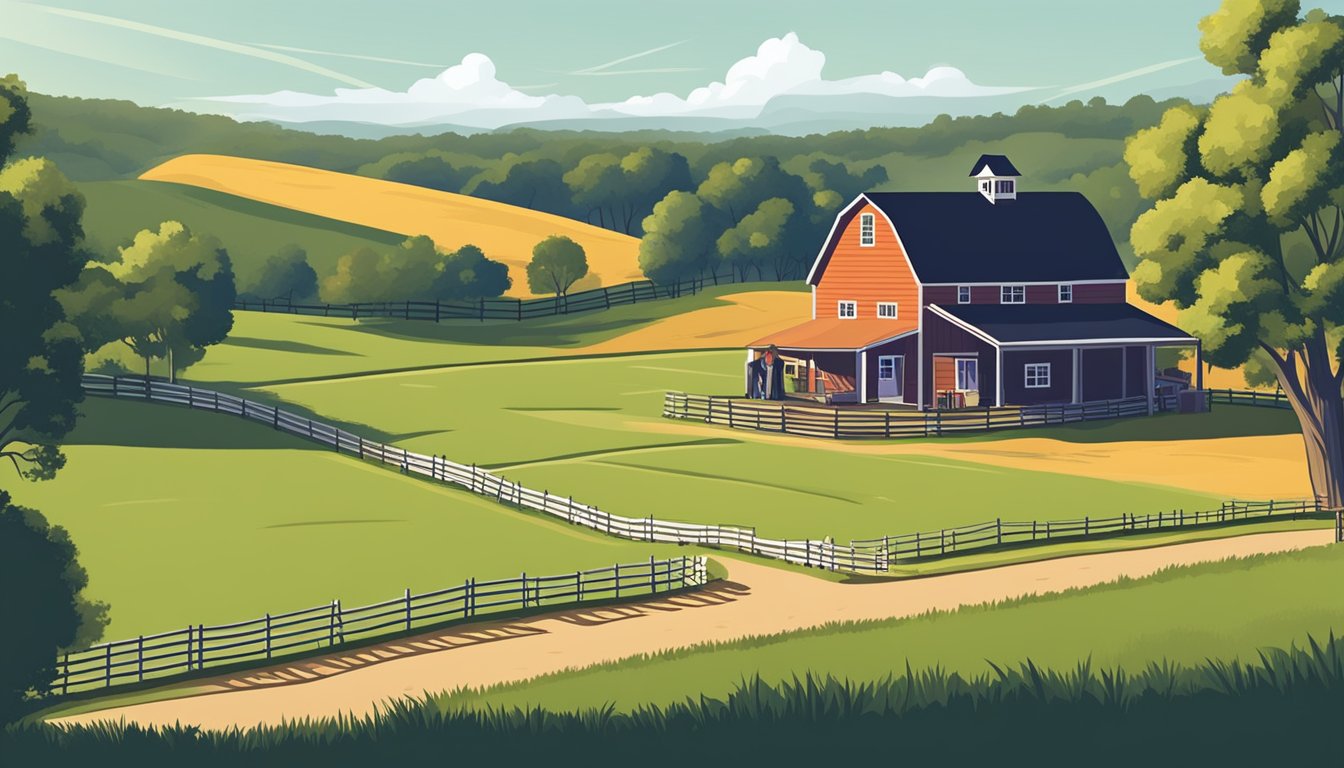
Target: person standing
[{"x": 772, "y": 375}]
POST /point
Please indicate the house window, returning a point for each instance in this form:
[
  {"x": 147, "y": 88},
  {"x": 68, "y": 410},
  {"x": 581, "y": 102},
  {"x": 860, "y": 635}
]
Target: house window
[
  {"x": 867, "y": 229},
  {"x": 886, "y": 309},
  {"x": 886, "y": 367},
  {"x": 1038, "y": 375},
  {"x": 848, "y": 310},
  {"x": 963, "y": 294},
  {"x": 1004, "y": 186},
  {"x": 968, "y": 375},
  {"x": 1013, "y": 294},
  {"x": 984, "y": 185},
  {"x": 1065, "y": 294}
]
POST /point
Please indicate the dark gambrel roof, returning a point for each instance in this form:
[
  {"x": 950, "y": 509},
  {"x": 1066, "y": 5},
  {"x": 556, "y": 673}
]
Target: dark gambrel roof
[
  {"x": 999, "y": 165},
  {"x": 1010, "y": 323},
  {"x": 960, "y": 237}
]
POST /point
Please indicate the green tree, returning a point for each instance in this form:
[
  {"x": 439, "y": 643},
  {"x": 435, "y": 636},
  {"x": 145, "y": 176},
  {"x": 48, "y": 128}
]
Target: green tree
[
  {"x": 286, "y": 275},
  {"x": 468, "y": 275},
  {"x": 597, "y": 185},
  {"x": 357, "y": 278},
  {"x": 41, "y": 357},
  {"x": 179, "y": 295},
  {"x": 679, "y": 239},
  {"x": 759, "y": 238},
  {"x": 557, "y": 262},
  {"x": 41, "y": 590},
  {"x": 1239, "y": 184}
]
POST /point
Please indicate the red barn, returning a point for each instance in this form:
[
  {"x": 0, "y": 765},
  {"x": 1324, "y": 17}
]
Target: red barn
[{"x": 990, "y": 297}]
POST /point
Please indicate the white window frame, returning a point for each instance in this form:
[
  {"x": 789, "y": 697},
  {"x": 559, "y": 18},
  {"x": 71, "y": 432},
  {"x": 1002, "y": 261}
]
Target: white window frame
[
  {"x": 1005, "y": 187},
  {"x": 963, "y": 299},
  {"x": 886, "y": 360},
  {"x": 867, "y": 230},
  {"x": 1012, "y": 294},
  {"x": 1066, "y": 288},
  {"x": 883, "y": 305},
  {"x": 959, "y": 378},
  {"x": 1040, "y": 372},
  {"x": 853, "y": 309}
]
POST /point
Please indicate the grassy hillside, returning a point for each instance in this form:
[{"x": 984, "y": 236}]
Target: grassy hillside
[
  {"x": 251, "y": 231},
  {"x": 506, "y": 233},
  {"x": 1224, "y": 610},
  {"x": 183, "y": 516}
]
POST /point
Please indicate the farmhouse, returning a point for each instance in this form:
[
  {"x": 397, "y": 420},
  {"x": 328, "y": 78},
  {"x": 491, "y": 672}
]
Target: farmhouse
[{"x": 991, "y": 297}]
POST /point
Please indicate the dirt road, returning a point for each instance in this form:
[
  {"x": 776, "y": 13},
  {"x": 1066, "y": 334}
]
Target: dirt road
[{"x": 755, "y": 600}]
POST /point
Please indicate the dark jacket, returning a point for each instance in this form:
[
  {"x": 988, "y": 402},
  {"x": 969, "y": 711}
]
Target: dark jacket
[{"x": 756, "y": 383}]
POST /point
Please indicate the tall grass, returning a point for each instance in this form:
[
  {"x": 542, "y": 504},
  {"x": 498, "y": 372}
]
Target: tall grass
[{"x": 1284, "y": 707}]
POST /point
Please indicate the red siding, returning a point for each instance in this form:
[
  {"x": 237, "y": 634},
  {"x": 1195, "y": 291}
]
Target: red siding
[
  {"x": 1042, "y": 294},
  {"x": 867, "y": 275},
  {"x": 1099, "y": 293}
]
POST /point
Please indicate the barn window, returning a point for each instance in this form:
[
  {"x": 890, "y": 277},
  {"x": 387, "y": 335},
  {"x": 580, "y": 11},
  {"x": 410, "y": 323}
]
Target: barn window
[
  {"x": 1066, "y": 294},
  {"x": 1013, "y": 294},
  {"x": 968, "y": 374},
  {"x": 963, "y": 294},
  {"x": 886, "y": 309},
  {"x": 848, "y": 310},
  {"x": 1038, "y": 375},
  {"x": 1004, "y": 186},
  {"x": 867, "y": 229}
]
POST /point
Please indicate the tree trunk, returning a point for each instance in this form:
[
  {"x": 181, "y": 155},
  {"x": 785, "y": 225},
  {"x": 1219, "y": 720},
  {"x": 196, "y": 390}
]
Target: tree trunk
[{"x": 1315, "y": 398}]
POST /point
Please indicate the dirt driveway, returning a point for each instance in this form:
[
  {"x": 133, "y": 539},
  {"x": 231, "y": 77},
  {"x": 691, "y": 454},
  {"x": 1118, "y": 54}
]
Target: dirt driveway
[{"x": 755, "y": 600}]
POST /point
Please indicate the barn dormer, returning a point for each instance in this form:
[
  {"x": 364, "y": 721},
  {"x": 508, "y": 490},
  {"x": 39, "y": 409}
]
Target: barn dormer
[{"x": 995, "y": 177}]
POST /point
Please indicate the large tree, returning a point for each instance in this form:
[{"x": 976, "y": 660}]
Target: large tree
[
  {"x": 286, "y": 276},
  {"x": 1239, "y": 186},
  {"x": 679, "y": 238},
  {"x": 41, "y": 251}
]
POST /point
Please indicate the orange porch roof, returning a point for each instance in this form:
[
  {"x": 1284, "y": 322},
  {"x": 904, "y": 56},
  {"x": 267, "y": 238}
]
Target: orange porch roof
[{"x": 832, "y": 333}]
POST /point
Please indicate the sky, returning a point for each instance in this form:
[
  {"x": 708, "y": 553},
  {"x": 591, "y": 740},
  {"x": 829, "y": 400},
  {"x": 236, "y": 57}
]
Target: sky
[{"x": 403, "y": 61}]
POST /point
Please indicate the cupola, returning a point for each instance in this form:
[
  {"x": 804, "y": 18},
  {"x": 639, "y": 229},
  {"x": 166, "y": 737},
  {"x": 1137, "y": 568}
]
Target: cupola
[{"x": 995, "y": 178}]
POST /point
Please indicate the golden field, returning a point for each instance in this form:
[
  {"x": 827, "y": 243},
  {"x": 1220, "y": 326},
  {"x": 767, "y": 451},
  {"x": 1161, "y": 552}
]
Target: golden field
[{"x": 506, "y": 233}]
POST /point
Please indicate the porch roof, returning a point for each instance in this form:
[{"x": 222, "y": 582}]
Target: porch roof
[
  {"x": 1030, "y": 324},
  {"x": 831, "y": 334}
]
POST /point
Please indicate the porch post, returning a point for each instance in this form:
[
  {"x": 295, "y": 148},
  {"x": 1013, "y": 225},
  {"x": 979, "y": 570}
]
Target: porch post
[
  {"x": 919, "y": 371},
  {"x": 998, "y": 376},
  {"x": 811, "y": 374},
  {"x": 861, "y": 371},
  {"x": 1150, "y": 361},
  {"x": 1199, "y": 365},
  {"x": 1077, "y": 395}
]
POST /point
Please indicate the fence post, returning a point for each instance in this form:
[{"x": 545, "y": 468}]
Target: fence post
[
  {"x": 471, "y": 595},
  {"x": 200, "y": 646},
  {"x": 107, "y": 666},
  {"x": 408, "y": 608},
  {"x": 268, "y": 635},
  {"x": 618, "y": 581},
  {"x": 653, "y": 577},
  {"x": 998, "y": 529},
  {"x": 524, "y": 580},
  {"x": 140, "y": 659}
]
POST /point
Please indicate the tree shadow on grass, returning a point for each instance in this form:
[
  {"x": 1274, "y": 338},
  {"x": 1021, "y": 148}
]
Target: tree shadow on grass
[{"x": 285, "y": 345}]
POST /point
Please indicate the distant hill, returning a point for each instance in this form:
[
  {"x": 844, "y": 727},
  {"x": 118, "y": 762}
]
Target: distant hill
[{"x": 506, "y": 233}]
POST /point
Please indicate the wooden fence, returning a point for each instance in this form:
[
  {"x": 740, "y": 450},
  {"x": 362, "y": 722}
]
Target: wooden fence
[
  {"x": 840, "y": 423},
  {"x": 496, "y": 309},
  {"x": 1275, "y": 399},
  {"x": 998, "y": 534},
  {"x": 809, "y": 552},
  {"x": 198, "y": 647}
]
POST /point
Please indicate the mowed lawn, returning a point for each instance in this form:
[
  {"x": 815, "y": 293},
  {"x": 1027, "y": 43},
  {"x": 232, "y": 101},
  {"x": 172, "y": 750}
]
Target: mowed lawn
[
  {"x": 592, "y": 428},
  {"x": 270, "y": 347},
  {"x": 1225, "y": 610},
  {"x": 189, "y": 517}
]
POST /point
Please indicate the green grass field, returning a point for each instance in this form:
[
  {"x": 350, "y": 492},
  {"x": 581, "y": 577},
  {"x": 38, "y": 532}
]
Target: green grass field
[
  {"x": 251, "y": 231},
  {"x": 183, "y": 516},
  {"x": 1185, "y": 615},
  {"x": 592, "y": 428}
]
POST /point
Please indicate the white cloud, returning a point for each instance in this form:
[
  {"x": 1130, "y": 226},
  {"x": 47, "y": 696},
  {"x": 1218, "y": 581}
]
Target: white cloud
[{"x": 469, "y": 94}]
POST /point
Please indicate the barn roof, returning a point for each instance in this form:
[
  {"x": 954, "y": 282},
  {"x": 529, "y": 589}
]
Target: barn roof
[
  {"x": 999, "y": 165},
  {"x": 960, "y": 237},
  {"x": 1043, "y": 323}
]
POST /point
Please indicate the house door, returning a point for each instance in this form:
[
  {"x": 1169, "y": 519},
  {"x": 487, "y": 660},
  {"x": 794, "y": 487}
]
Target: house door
[{"x": 890, "y": 375}]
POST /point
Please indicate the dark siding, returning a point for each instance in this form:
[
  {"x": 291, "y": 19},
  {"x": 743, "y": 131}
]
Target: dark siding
[
  {"x": 909, "y": 347},
  {"x": 1015, "y": 390},
  {"x": 1102, "y": 374},
  {"x": 940, "y": 294},
  {"x": 1136, "y": 370},
  {"x": 1042, "y": 294},
  {"x": 1099, "y": 293},
  {"x": 984, "y": 294},
  {"x": 941, "y": 336}
]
